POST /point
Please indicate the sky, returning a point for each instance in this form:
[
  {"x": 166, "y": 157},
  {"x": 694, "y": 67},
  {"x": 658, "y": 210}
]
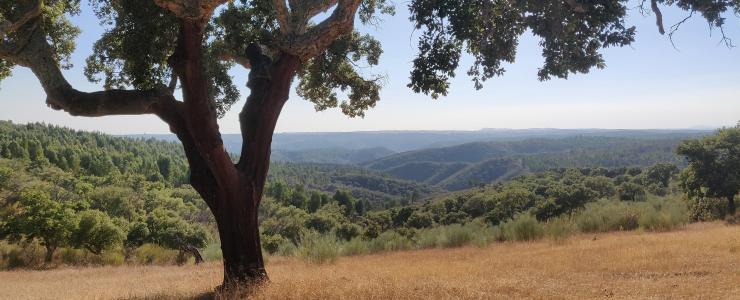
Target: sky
[{"x": 649, "y": 84}]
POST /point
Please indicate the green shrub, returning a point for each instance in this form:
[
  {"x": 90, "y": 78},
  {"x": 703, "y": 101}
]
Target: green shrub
[
  {"x": 212, "y": 252},
  {"x": 456, "y": 235},
  {"x": 707, "y": 209},
  {"x": 151, "y": 254},
  {"x": 24, "y": 255},
  {"x": 560, "y": 229},
  {"x": 318, "y": 248},
  {"x": 664, "y": 214},
  {"x": 428, "y": 238},
  {"x": 79, "y": 257},
  {"x": 524, "y": 227},
  {"x": 608, "y": 215},
  {"x": 355, "y": 246},
  {"x": 270, "y": 243},
  {"x": 389, "y": 241},
  {"x": 287, "y": 248}
]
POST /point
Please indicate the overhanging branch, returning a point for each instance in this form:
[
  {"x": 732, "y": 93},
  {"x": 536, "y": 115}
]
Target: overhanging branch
[{"x": 37, "y": 55}]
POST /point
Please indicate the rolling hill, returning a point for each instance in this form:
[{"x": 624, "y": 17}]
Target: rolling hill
[{"x": 458, "y": 167}]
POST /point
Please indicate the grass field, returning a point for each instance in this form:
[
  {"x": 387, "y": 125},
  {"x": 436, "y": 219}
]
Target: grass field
[{"x": 699, "y": 261}]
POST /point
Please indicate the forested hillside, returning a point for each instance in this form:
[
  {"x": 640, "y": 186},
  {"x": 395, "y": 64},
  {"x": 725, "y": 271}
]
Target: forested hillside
[
  {"x": 90, "y": 153},
  {"x": 466, "y": 165},
  {"x": 75, "y": 197}
]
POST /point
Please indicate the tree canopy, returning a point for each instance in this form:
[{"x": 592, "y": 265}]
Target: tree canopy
[
  {"x": 714, "y": 166},
  {"x": 140, "y": 36}
]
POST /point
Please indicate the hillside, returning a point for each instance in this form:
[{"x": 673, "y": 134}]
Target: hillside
[
  {"x": 89, "y": 153},
  {"x": 699, "y": 261},
  {"x": 373, "y": 186},
  {"x": 461, "y": 166}
]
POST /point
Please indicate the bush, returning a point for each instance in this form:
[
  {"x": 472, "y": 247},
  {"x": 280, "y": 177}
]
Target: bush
[
  {"x": 608, "y": 215},
  {"x": 389, "y": 241},
  {"x": 560, "y": 229},
  {"x": 483, "y": 233},
  {"x": 455, "y": 235},
  {"x": 25, "y": 255},
  {"x": 151, "y": 254},
  {"x": 664, "y": 214},
  {"x": 318, "y": 248},
  {"x": 707, "y": 209},
  {"x": 212, "y": 252},
  {"x": 428, "y": 238},
  {"x": 355, "y": 246},
  {"x": 79, "y": 257},
  {"x": 524, "y": 227},
  {"x": 270, "y": 243},
  {"x": 287, "y": 248}
]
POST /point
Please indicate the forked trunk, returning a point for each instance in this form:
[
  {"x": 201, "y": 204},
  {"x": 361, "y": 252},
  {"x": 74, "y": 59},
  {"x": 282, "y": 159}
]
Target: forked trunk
[{"x": 236, "y": 200}]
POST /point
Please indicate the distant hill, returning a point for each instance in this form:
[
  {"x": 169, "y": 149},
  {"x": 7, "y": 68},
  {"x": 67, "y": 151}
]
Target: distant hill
[
  {"x": 458, "y": 167},
  {"x": 331, "y": 155},
  {"x": 399, "y": 141},
  {"x": 374, "y": 186}
]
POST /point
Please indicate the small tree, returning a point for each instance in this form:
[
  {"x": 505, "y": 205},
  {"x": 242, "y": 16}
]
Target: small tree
[
  {"x": 660, "y": 174},
  {"x": 39, "y": 217},
  {"x": 96, "y": 232},
  {"x": 714, "y": 166},
  {"x": 630, "y": 191}
]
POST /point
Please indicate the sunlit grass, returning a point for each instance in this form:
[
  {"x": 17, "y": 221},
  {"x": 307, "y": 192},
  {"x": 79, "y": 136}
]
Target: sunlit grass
[{"x": 697, "y": 261}]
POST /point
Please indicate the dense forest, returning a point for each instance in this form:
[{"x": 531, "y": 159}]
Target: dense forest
[{"x": 71, "y": 197}]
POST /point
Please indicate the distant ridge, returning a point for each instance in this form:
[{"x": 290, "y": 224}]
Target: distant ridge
[{"x": 400, "y": 141}]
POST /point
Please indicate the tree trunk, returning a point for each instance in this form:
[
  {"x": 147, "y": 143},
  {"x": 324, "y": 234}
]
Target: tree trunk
[
  {"x": 232, "y": 192},
  {"x": 731, "y": 205},
  {"x": 49, "y": 254},
  {"x": 238, "y": 228}
]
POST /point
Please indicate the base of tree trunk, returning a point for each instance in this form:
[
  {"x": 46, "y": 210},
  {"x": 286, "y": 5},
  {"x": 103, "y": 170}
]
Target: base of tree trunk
[{"x": 242, "y": 287}]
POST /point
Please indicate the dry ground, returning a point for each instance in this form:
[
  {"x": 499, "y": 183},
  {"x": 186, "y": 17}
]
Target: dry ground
[{"x": 699, "y": 261}]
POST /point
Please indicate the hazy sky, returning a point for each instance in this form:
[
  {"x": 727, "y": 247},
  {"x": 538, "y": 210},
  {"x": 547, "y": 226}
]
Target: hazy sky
[{"x": 647, "y": 85}]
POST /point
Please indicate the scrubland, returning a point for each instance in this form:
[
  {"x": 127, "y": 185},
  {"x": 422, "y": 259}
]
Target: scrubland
[{"x": 700, "y": 260}]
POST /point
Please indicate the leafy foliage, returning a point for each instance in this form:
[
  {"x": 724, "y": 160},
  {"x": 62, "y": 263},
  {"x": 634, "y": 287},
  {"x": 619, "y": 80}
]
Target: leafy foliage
[{"x": 714, "y": 166}]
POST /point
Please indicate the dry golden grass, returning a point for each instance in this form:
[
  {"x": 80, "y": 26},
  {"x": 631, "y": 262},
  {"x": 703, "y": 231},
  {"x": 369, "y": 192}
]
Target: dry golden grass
[{"x": 700, "y": 261}]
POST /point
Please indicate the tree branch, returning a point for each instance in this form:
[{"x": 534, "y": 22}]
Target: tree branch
[
  {"x": 314, "y": 7},
  {"x": 8, "y": 27},
  {"x": 318, "y": 38},
  {"x": 282, "y": 15},
  {"x": 239, "y": 59},
  {"x": 37, "y": 55},
  {"x": 198, "y": 10},
  {"x": 658, "y": 16}
]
